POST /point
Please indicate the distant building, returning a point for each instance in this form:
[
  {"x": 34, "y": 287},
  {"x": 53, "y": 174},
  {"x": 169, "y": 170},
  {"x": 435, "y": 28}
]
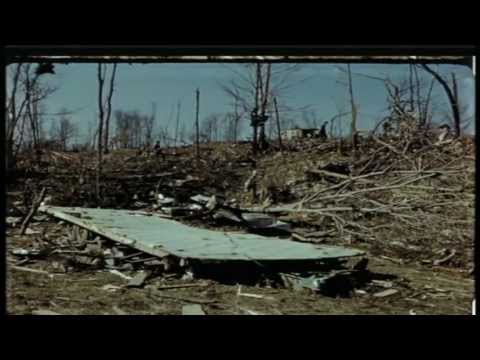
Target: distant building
[{"x": 297, "y": 133}]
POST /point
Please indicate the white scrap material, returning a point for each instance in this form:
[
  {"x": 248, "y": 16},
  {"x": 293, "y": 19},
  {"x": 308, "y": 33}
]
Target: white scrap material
[
  {"x": 202, "y": 199},
  {"x": 111, "y": 288},
  {"x": 385, "y": 293},
  {"x": 249, "y": 312},
  {"x": 11, "y": 220},
  {"x": 122, "y": 275},
  {"x": 239, "y": 293},
  {"x": 194, "y": 309},
  {"x": 31, "y": 232},
  {"x": 20, "y": 252},
  {"x": 44, "y": 312}
]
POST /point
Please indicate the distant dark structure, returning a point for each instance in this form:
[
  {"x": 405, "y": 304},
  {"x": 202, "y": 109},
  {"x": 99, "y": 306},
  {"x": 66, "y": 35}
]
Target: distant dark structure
[
  {"x": 323, "y": 131},
  {"x": 157, "y": 150},
  {"x": 44, "y": 68}
]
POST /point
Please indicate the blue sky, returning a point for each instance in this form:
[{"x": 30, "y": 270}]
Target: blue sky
[{"x": 137, "y": 86}]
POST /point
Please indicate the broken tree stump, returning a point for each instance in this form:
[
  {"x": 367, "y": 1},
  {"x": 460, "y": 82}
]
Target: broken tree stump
[{"x": 33, "y": 210}]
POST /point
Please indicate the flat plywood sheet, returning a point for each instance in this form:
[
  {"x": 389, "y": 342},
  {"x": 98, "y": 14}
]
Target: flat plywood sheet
[{"x": 159, "y": 236}]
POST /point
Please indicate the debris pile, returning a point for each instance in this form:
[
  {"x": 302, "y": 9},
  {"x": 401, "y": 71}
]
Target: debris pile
[
  {"x": 301, "y": 219},
  {"x": 412, "y": 186}
]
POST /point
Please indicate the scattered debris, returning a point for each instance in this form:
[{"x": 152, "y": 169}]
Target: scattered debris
[
  {"x": 36, "y": 204},
  {"x": 445, "y": 259},
  {"x": 12, "y": 221},
  {"x": 249, "y": 312},
  {"x": 319, "y": 197},
  {"x": 194, "y": 309},
  {"x": 25, "y": 252},
  {"x": 382, "y": 283},
  {"x": 122, "y": 275},
  {"x": 179, "y": 286},
  {"x": 44, "y": 312},
  {"x": 184, "y": 299},
  {"x": 35, "y": 271},
  {"x": 111, "y": 288},
  {"x": 264, "y": 221},
  {"x": 29, "y": 231},
  {"x": 118, "y": 311},
  {"x": 139, "y": 279},
  {"x": 385, "y": 293},
  {"x": 239, "y": 293}
]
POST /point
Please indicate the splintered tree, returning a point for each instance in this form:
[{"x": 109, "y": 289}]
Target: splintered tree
[
  {"x": 277, "y": 117},
  {"x": 409, "y": 99},
  {"x": 108, "y": 105},
  {"x": 451, "y": 94},
  {"x": 253, "y": 87}
]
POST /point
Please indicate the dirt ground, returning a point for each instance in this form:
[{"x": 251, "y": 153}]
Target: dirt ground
[
  {"x": 422, "y": 290},
  {"x": 407, "y": 249}
]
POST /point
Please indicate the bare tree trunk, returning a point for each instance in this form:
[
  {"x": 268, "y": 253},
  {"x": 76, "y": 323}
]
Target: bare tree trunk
[
  {"x": 235, "y": 124},
  {"x": 450, "y": 95},
  {"x": 265, "y": 94},
  {"x": 424, "y": 116},
  {"x": 11, "y": 119},
  {"x": 257, "y": 107},
  {"x": 101, "y": 79},
  {"x": 419, "y": 98},
  {"x": 278, "y": 124},
  {"x": 411, "y": 90},
  {"x": 197, "y": 126},
  {"x": 354, "y": 115},
  {"x": 109, "y": 109},
  {"x": 457, "y": 127},
  {"x": 177, "y": 124}
]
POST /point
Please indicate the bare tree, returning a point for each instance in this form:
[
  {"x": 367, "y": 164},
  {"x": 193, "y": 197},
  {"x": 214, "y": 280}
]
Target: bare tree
[
  {"x": 210, "y": 128},
  {"x": 149, "y": 122},
  {"x": 101, "y": 80},
  {"x": 197, "y": 130},
  {"x": 452, "y": 97},
  {"x": 277, "y": 116},
  {"x": 63, "y": 131},
  {"x": 408, "y": 98},
  {"x": 253, "y": 87},
  {"x": 354, "y": 114},
  {"x": 229, "y": 132},
  {"x": 135, "y": 130},
  {"x": 182, "y": 135},
  {"x": 22, "y": 107},
  {"x": 108, "y": 106},
  {"x": 177, "y": 124}
]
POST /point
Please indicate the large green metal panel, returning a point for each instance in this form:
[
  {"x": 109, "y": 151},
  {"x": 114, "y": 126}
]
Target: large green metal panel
[{"x": 159, "y": 236}]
